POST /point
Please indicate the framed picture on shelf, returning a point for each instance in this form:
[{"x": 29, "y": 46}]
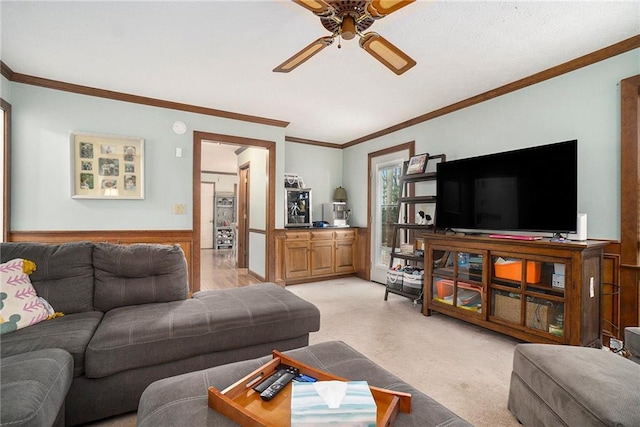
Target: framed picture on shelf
[
  {"x": 417, "y": 164},
  {"x": 106, "y": 166}
]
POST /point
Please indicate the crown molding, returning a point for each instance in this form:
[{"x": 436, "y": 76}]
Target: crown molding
[
  {"x": 6, "y": 71},
  {"x": 136, "y": 99},
  {"x": 312, "y": 142},
  {"x": 575, "y": 64},
  {"x": 572, "y": 65}
]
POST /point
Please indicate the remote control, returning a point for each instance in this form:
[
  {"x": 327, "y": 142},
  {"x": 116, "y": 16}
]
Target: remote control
[
  {"x": 279, "y": 384},
  {"x": 282, "y": 369}
]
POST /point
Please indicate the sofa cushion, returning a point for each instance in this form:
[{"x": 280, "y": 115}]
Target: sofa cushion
[
  {"x": 64, "y": 275},
  {"x": 150, "y": 334},
  {"x": 71, "y": 332},
  {"x": 580, "y": 386},
  {"x": 138, "y": 274},
  {"x": 34, "y": 387},
  {"x": 19, "y": 302}
]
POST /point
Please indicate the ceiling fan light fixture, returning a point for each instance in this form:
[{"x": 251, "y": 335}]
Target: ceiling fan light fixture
[
  {"x": 385, "y": 52},
  {"x": 346, "y": 19},
  {"x": 348, "y": 28},
  {"x": 303, "y": 55},
  {"x": 381, "y": 8}
]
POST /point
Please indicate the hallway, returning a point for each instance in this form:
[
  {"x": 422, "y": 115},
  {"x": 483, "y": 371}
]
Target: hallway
[{"x": 218, "y": 271}]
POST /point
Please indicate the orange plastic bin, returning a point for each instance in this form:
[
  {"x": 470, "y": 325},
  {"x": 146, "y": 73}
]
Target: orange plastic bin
[
  {"x": 512, "y": 270},
  {"x": 444, "y": 288}
]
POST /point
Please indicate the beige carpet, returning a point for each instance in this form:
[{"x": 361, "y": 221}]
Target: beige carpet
[{"x": 464, "y": 367}]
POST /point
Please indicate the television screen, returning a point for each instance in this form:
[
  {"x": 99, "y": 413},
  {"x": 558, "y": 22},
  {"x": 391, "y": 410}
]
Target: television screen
[{"x": 532, "y": 189}]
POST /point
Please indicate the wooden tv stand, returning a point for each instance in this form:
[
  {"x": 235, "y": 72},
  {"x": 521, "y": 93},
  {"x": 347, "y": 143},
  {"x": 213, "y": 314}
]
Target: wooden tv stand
[{"x": 536, "y": 291}]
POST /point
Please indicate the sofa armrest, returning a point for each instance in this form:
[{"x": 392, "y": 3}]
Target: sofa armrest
[
  {"x": 138, "y": 274},
  {"x": 632, "y": 342}
]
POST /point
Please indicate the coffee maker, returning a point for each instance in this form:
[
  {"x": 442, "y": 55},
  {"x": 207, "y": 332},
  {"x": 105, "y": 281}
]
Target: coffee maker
[{"x": 335, "y": 213}]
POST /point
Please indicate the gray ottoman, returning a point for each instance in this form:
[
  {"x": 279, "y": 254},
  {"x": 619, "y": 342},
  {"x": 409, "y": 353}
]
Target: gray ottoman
[
  {"x": 557, "y": 385},
  {"x": 34, "y": 387},
  {"x": 182, "y": 400}
]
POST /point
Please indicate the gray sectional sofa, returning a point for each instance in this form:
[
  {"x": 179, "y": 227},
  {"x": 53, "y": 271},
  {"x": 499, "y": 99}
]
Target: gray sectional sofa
[{"x": 128, "y": 322}]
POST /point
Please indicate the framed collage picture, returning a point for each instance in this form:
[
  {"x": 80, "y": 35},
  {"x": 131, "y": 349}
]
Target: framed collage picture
[{"x": 106, "y": 166}]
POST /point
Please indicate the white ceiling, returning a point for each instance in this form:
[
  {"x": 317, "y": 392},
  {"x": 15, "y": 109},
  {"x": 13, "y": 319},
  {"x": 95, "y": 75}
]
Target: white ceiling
[{"x": 220, "y": 54}]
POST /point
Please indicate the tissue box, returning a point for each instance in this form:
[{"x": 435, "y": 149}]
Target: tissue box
[{"x": 356, "y": 408}]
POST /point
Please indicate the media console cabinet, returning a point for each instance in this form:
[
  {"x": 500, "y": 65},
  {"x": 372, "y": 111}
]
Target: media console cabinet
[{"x": 536, "y": 291}]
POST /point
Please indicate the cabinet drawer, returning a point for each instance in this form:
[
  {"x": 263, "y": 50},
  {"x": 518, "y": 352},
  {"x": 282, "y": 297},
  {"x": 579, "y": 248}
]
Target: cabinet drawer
[
  {"x": 345, "y": 234},
  {"x": 297, "y": 235},
  {"x": 322, "y": 235}
]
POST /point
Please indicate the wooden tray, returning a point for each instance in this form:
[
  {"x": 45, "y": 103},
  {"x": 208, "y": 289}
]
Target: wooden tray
[{"x": 240, "y": 403}]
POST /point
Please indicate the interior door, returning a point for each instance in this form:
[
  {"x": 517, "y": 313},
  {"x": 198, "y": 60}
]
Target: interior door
[
  {"x": 207, "y": 190},
  {"x": 385, "y": 190}
]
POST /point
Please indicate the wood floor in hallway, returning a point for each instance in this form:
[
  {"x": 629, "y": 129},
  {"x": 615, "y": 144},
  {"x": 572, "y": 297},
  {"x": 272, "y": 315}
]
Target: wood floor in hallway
[{"x": 218, "y": 270}]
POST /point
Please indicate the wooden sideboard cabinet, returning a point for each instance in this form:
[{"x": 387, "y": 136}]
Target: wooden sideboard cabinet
[
  {"x": 311, "y": 254},
  {"x": 537, "y": 291}
]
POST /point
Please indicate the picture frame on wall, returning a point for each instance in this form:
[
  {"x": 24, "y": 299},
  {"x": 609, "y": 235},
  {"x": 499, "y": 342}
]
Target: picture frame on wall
[
  {"x": 106, "y": 166},
  {"x": 417, "y": 164}
]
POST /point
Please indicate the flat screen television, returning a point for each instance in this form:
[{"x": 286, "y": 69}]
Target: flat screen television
[{"x": 532, "y": 189}]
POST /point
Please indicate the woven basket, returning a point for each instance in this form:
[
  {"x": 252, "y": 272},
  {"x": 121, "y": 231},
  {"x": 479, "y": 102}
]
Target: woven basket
[{"x": 508, "y": 308}]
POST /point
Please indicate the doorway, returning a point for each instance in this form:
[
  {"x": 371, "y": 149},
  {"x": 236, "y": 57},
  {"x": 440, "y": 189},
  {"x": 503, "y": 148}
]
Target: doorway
[
  {"x": 261, "y": 250},
  {"x": 385, "y": 168},
  {"x": 219, "y": 248}
]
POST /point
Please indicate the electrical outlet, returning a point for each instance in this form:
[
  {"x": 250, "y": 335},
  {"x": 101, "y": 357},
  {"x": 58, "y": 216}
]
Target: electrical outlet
[{"x": 179, "y": 209}]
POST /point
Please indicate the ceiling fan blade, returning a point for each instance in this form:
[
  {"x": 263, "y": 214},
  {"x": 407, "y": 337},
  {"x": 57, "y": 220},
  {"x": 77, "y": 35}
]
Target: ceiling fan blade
[
  {"x": 303, "y": 55},
  {"x": 381, "y": 49},
  {"x": 319, "y": 7},
  {"x": 381, "y": 8}
]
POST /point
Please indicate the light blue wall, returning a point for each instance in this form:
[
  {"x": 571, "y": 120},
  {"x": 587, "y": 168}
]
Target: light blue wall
[
  {"x": 582, "y": 105},
  {"x": 5, "y": 89},
  {"x": 42, "y": 122},
  {"x": 319, "y": 167}
]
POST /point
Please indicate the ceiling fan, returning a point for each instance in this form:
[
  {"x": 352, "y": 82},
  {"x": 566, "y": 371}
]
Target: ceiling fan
[{"x": 346, "y": 19}]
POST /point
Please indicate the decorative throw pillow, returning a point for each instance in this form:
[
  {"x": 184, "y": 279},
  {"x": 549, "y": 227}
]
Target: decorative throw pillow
[{"x": 19, "y": 303}]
